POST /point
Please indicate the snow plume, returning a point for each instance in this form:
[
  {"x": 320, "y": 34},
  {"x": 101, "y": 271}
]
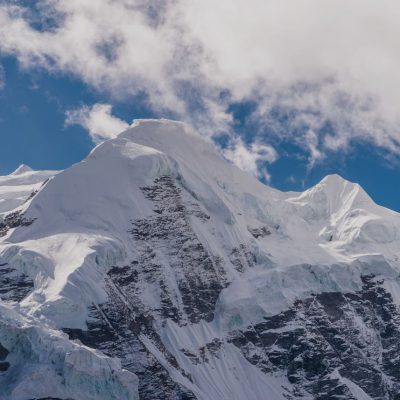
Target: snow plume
[
  {"x": 97, "y": 120},
  {"x": 322, "y": 74}
]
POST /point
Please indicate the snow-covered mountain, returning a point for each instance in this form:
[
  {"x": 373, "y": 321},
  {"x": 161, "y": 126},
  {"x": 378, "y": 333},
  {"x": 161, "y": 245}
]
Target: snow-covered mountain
[{"x": 155, "y": 269}]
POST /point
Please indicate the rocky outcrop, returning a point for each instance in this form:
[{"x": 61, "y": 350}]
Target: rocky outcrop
[
  {"x": 14, "y": 285},
  {"x": 330, "y": 336},
  {"x": 4, "y": 365},
  {"x": 172, "y": 257},
  {"x": 13, "y": 220},
  {"x": 259, "y": 232}
]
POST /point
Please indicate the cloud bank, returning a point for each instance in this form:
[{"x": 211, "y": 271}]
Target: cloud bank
[{"x": 323, "y": 75}]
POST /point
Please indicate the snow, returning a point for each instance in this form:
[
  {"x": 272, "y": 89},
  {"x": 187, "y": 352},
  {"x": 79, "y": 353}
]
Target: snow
[
  {"x": 22, "y": 169},
  {"x": 16, "y": 188},
  {"x": 45, "y": 363},
  {"x": 323, "y": 239},
  {"x": 89, "y": 206}
]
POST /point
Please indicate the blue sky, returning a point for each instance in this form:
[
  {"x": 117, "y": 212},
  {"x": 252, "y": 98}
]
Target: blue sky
[
  {"x": 291, "y": 131},
  {"x": 32, "y": 118}
]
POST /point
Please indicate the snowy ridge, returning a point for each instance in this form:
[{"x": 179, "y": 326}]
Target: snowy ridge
[
  {"x": 17, "y": 187},
  {"x": 156, "y": 251}
]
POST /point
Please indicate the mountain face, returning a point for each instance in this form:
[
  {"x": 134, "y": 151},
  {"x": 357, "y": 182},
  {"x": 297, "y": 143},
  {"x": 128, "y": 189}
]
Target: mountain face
[{"x": 154, "y": 269}]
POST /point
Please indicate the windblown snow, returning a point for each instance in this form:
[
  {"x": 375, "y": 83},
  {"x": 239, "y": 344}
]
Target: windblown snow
[{"x": 66, "y": 237}]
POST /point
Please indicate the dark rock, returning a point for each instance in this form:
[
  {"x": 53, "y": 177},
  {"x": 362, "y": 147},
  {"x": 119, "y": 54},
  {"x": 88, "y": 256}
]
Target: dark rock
[
  {"x": 242, "y": 258},
  {"x": 14, "y": 285},
  {"x": 356, "y": 334},
  {"x": 4, "y": 365},
  {"x": 258, "y": 232},
  {"x": 13, "y": 220}
]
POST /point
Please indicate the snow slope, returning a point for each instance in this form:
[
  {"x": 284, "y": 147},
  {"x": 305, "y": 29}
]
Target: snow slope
[
  {"x": 17, "y": 187},
  {"x": 160, "y": 205}
]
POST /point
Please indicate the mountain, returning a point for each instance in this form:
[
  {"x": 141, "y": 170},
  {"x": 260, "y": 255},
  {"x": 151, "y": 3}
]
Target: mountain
[
  {"x": 20, "y": 186},
  {"x": 155, "y": 269}
]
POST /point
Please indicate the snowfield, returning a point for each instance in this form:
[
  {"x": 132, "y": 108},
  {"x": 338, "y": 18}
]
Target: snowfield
[{"x": 67, "y": 239}]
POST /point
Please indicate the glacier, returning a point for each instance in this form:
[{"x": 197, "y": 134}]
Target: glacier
[{"x": 155, "y": 269}]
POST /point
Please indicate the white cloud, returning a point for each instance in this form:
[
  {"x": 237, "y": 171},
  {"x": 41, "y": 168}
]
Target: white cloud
[
  {"x": 97, "y": 120},
  {"x": 251, "y": 158},
  {"x": 331, "y": 66}
]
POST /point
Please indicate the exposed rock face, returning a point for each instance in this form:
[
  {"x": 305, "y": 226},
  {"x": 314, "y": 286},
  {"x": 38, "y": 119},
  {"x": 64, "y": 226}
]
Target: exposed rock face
[
  {"x": 13, "y": 285},
  {"x": 354, "y": 335},
  {"x": 13, "y": 220},
  {"x": 170, "y": 254}
]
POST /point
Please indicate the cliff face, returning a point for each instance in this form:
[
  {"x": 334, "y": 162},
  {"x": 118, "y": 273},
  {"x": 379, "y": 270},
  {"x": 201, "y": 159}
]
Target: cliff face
[{"x": 154, "y": 269}]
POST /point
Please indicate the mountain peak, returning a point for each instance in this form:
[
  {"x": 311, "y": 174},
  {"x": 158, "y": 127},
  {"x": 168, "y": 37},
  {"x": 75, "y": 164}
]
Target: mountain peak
[
  {"x": 164, "y": 135},
  {"x": 180, "y": 142},
  {"x": 333, "y": 178},
  {"x": 335, "y": 181},
  {"x": 22, "y": 169}
]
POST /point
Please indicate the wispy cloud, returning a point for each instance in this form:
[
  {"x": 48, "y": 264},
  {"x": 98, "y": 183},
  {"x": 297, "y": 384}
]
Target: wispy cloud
[
  {"x": 329, "y": 69},
  {"x": 251, "y": 158},
  {"x": 97, "y": 120}
]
